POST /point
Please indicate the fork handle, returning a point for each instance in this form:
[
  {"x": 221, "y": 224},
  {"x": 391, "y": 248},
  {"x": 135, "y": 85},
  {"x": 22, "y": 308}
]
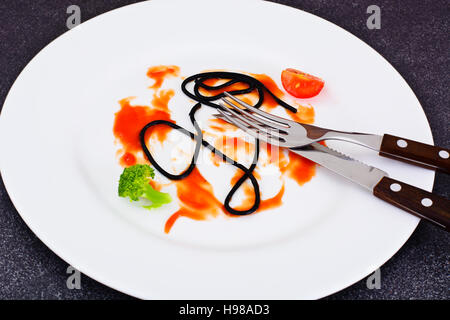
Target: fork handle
[
  {"x": 420, "y": 203},
  {"x": 414, "y": 152}
]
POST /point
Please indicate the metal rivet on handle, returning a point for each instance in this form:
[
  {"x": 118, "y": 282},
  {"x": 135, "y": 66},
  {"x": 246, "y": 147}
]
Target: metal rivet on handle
[
  {"x": 396, "y": 187},
  {"x": 402, "y": 143},
  {"x": 426, "y": 202},
  {"x": 444, "y": 154}
]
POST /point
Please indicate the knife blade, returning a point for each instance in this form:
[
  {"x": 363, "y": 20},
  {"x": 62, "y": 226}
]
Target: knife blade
[{"x": 354, "y": 170}]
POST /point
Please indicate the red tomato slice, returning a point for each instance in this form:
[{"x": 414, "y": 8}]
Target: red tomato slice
[{"x": 300, "y": 84}]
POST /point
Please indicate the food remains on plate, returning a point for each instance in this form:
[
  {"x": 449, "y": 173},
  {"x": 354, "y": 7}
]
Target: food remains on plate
[{"x": 135, "y": 124}]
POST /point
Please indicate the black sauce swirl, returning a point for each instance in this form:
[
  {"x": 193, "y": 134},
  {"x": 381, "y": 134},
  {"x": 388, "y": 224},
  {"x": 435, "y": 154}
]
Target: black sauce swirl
[{"x": 231, "y": 78}]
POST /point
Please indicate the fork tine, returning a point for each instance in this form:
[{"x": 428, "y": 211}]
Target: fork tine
[
  {"x": 218, "y": 115},
  {"x": 244, "y": 125},
  {"x": 280, "y": 120},
  {"x": 248, "y": 129},
  {"x": 242, "y": 117},
  {"x": 246, "y": 113}
]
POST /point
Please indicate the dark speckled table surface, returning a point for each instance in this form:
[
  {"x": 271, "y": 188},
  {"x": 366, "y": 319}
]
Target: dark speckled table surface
[{"x": 413, "y": 38}]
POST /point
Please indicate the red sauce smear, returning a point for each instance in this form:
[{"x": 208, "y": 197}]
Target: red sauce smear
[
  {"x": 221, "y": 125},
  {"x": 159, "y": 73},
  {"x": 304, "y": 114},
  {"x": 231, "y": 145},
  {"x": 265, "y": 204},
  {"x": 161, "y": 99},
  {"x": 274, "y": 153},
  {"x": 299, "y": 169},
  {"x": 156, "y": 185},
  {"x": 131, "y": 119},
  {"x": 197, "y": 200},
  {"x": 249, "y": 193},
  {"x": 238, "y": 175},
  {"x": 216, "y": 160},
  {"x": 128, "y": 160}
]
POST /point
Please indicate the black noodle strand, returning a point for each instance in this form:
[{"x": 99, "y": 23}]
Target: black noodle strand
[{"x": 199, "y": 79}]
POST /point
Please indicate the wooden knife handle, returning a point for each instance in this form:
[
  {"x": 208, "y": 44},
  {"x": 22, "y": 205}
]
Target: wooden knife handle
[
  {"x": 414, "y": 152},
  {"x": 419, "y": 202}
]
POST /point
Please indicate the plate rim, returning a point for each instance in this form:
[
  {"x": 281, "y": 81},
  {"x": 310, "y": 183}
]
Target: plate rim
[{"x": 108, "y": 283}]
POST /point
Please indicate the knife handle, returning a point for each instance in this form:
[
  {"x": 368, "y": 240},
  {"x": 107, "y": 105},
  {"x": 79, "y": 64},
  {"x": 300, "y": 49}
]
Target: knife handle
[
  {"x": 414, "y": 152},
  {"x": 420, "y": 203}
]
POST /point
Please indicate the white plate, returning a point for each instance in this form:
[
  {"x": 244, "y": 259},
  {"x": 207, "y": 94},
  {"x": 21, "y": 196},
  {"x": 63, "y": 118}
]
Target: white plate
[{"x": 59, "y": 166}]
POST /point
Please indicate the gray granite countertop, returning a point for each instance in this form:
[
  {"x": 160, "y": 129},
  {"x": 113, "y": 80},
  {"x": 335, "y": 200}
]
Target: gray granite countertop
[{"x": 413, "y": 38}]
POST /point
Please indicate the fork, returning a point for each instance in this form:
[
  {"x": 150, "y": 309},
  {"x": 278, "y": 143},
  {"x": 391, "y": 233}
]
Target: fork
[
  {"x": 303, "y": 140},
  {"x": 290, "y": 134}
]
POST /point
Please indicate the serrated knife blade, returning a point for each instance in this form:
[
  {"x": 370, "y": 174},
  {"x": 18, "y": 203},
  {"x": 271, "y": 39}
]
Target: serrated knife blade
[{"x": 354, "y": 170}]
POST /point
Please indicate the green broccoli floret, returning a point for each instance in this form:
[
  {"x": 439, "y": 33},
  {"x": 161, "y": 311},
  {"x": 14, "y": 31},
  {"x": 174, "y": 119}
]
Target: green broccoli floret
[{"x": 134, "y": 183}]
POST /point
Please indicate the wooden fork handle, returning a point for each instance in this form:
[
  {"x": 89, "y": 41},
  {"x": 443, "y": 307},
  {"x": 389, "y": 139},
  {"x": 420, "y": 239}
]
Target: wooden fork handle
[
  {"x": 420, "y": 203},
  {"x": 414, "y": 152}
]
